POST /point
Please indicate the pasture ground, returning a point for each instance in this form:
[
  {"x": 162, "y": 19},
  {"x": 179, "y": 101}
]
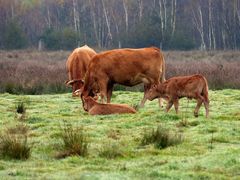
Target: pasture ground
[{"x": 210, "y": 150}]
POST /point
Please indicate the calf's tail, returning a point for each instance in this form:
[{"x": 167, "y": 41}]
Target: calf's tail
[{"x": 205, "y": 90}]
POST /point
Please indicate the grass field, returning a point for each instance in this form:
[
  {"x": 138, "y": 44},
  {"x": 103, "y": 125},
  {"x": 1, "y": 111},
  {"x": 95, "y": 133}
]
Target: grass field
[{"x": 210, "y": 147}]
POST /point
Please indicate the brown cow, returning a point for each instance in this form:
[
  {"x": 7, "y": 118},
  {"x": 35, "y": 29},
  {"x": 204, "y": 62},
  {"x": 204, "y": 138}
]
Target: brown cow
[
  {"x": 173, "y": 89},
  {"x": 127, "y": 67},
  {"x": 77, "y": 66},
  {"x": 95, "y": 108}
]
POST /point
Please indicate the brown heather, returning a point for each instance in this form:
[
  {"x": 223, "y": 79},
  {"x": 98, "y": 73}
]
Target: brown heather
[{"x": 33, "y": 72}]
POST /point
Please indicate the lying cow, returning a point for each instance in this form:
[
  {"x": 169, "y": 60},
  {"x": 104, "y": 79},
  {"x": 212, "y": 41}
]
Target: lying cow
[
  {"x": 95, "y": 108},
  {"x": 77, "y": 66},
  {"x": 192, "y": 87},
  {"x": 127, "y": 67}
]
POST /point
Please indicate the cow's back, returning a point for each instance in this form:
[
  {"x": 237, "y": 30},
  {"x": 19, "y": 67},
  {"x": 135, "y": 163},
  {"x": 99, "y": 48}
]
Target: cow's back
[
  {"x": 186, "y": 85},
  {"x": 104, "y": 109},
  {"x": 78, "y": 62},
  {"x": 128, "y": 66}
]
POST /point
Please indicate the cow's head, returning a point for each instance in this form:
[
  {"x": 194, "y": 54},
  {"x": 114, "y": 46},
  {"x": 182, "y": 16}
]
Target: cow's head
[
  {"x": 76, "y": 85},
  {"x": 152, "y": 93}
]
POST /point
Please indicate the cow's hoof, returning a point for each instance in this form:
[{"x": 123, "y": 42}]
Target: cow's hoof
[{"x": 195, "y": 114}]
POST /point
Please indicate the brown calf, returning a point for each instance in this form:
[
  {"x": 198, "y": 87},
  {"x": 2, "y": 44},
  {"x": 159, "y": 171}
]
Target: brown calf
[
  {"x": 95, "y": 108},
  {"x": 192, "y": 87}
]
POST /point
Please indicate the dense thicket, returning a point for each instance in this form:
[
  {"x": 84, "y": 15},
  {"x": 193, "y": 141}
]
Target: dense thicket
[{"x": 169, "y": 24}]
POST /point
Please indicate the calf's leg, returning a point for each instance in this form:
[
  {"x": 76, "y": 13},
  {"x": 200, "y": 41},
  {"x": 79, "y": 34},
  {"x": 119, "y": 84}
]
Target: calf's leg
[
  {"x": 176, "y": 104},
  {"x": 206, "y": 105},
  {"x": 199, "y": 103},
  {"x": 169, "y": 105},
  {"x": 160, "y": 102}
]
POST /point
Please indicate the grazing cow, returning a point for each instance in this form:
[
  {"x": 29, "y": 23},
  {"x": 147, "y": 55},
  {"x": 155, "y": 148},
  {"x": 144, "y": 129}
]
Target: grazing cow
[
  {"x": 95, "y": 108},
  {"x": 77, "y": 66},
  {"x": 127, "y": 67},
  {"x": 173, "y": 89}
]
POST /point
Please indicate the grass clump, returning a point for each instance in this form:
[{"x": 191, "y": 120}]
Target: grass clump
[
  {"x": 161, "y": 138},
  {"x": 75, "y": 142},
  {"x": 20, "y": 108},
  {"x": 14, "y": 143},
  {"x": 111, "y": 150}
]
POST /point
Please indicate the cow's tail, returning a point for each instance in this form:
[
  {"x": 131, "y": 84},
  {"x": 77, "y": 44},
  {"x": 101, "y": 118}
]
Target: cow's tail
[{"x": 162, "y": 78}]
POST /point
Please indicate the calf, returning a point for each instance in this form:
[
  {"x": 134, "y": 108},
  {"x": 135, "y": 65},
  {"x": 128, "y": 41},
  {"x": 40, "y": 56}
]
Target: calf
[
  {"x": 192, "y": 87},
  {"x": 95, "y": 108}
]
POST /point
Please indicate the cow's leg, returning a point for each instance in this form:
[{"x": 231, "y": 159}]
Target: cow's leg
[
  {"x": 146, "y": 88},
  {"x": 109, "y": 92},
  {"x": 176, "y": 104},
  {"x": 169, "y": 105},
  {"x": 103, "y": 92},
  {"x": 199, "y": 103}
]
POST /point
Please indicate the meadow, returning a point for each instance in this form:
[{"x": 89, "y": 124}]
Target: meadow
[{"x": 209, "y": 148}]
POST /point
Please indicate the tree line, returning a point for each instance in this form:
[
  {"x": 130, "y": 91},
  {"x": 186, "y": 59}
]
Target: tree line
[{"x": 168, "y": 24}]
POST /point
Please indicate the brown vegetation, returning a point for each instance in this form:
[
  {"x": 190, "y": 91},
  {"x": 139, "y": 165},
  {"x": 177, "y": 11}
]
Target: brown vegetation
[{"x": 33, "y": 72}]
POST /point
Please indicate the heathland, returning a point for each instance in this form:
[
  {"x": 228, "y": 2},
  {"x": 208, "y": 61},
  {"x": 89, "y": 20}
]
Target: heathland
[{"x": 50, "y": 136}]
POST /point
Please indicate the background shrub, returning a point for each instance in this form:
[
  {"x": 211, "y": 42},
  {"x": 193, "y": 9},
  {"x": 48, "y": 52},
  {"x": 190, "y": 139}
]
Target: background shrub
[{"x": 33, "y": 72}]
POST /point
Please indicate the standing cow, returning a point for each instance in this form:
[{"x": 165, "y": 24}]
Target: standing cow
[
  {"x": 127, "y": 67},
  {"x": 77, "y": 64},
  {"x": 192, "y": 87}
]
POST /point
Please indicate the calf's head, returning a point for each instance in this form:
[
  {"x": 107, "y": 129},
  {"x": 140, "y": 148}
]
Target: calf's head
[
  {"x": 152, "y": 93},
  {"x": 88, "y": 103}
]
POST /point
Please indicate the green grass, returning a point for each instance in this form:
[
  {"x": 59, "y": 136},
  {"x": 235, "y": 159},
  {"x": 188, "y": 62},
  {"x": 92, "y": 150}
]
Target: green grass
[{"x": 210, "y": 149}]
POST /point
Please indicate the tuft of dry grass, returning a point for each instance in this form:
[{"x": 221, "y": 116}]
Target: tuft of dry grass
[
  {"x": 111, "y": 150},
  {"x": 161, "y": 138},
  {"x": 75, "y": 142},
  {"x": 14, "y": 143}
]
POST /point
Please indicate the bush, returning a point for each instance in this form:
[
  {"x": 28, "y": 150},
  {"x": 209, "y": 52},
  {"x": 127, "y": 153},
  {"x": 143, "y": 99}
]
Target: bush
[
  {"x": 161, "y": 138},
  {"x": 14, "y": 38},
  {"x": 75, "y": 142},
  {"x": 60, "y": 39},
  {"x": 14, "y": 144}
]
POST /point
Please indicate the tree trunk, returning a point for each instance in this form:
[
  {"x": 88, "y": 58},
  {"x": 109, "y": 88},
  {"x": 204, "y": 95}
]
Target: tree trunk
[{"x": 126, "y": 15}]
